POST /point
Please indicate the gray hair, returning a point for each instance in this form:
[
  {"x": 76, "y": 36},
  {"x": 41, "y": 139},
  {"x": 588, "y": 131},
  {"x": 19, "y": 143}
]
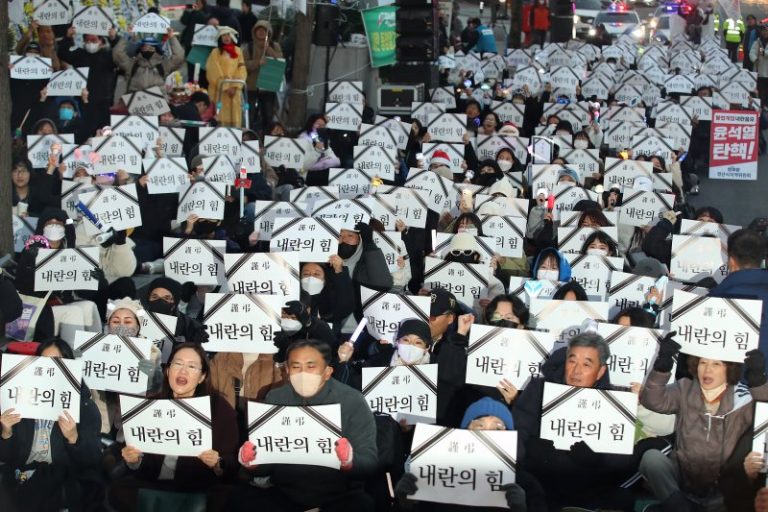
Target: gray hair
[{"x": 592, "y": 340}]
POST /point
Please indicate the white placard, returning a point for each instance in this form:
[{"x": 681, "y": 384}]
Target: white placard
[
  {"x": 604, "y": 420},
  {"x": 704, "y": 228},
  {"x": 346, "y": 91},
  {"x": 172, "y": 140},
  {"x": 509, "y": 112},
  {"x": 404, "y": 392},
  {"x": 306, "y": 197},
  {"x": 377, "y": 135},
  {"x": 179, "y": 428},
  {"x": 759, "y": 438},
  {"x": 116, "y": 208},
  {"x": 486, "y": 246},
  {"x": 445, "y": 127},
  {"x": 526, "y": 288},
  {"x": 69, "y": 82},
  {"x": 66, "y": 269},
  {"x": 166, "y": 175},
  {"x": 696, "y": 257},
  {"x": 111, "y": 362},
  {"x": 220, "y": 140},
  {"x": 624, "y": 172},
  {"x": 116, "y": 153},
  {"x": 468, "y": 282},
  {"x": 455, "y": 152},
  {"x": 142, "y": 130},
  {"x": 509, "y": 233},
  {"x": 204, "y": 199},
  {"x": 344, "y": 116},
  {"x": 376, "y": 161},
  {"x": 39, "y": 147},
  {"x": 639, "y": 208},
  {"x": 570, "y": 239},
  {"x": 488, "y": 146},
  {"x": 284, "y": 151},
  {"x": 160, "y": 330},
  {"x": 23, "y": 228},
  {"x": 94, "y": 20},
  {"x": 151, "y": 23},
  {"x": 52, "y": 12},
  {"x": 349, "y": 211},
  {"x": 563, "y": 318},
  {"x": 73, "y": 157},
  {"x": 593, "y": 272},
  {"x": 240, "y": 322},
  {"x": 496, "y": 353},
  {"x": 264, "y": 273},
  {"x": 149, "y": 102},
  {"x": 393, "y": 248},
  {"x": 194, "y": 260},
  {"x": 205, "y": 35},
  {"x": 633, "y": 350},
  {"x": 251, "y": 156},
  {"x": 313, "y": 239},
  {"x": 628, "y": 291},
  {"x": 386, "y": 311},
  {"x": 463, "y": 467},
  {"x": 267, "y": 211},
  {"x": 442, "y": 195},
  {"x": 220, "y": 169},
  {"x": 443, "y": 95},
  {"x": 303, "y": 435},
  {"x": 40, "y": 387},
  {"x": 31, "y": 67},
  {"x": 407, "y": 204},
  {"x": 715, "y": 328}
]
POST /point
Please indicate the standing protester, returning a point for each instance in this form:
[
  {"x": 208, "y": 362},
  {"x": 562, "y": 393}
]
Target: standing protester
[
  {"x": 255, "y": 52},
  {"x": 226, "y": 63},
  {"x": 734, "y": 33},
  {"x": 540, "y": 22},
  {"x": 150, "y": 66}
]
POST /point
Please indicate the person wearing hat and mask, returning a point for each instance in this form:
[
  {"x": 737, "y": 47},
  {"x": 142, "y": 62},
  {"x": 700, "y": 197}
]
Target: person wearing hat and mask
[
  {"x": 302, "y": 487},
  {"x": 488, "y": 174},
  {"x": 298, "y": 323},
  {"x": 465, "y": 249},
  {"x": 330, "y": 291},
  {"x": 150, "y": 66},
  {"x": 411, "y": 346},
  {"x": 256, "y": 52},
  {"x": 658, "y": 241},
  {"x": 440, "y": 160},
  {"x": 226, "y": 63},
  {"x": 162, "y": 298}
]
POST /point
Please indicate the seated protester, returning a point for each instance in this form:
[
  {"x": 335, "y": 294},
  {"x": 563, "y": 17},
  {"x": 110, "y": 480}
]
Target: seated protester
[
  {"x": 465, "y": 249},
  {"x": 66, "y": 112},
  {"x": 658, "y": 241},
  {"x": 45, "y": 463},
  {"x": 593, "y": 218},
  {"x": 411, "y": 346},
  {"x": 149, "y": 66},
  {"x": 551, "y": 265},
  {"x": 660, "y": 166},
  {"x": 746, "y": 279},
  {"x": 301, "y": 487},
  {"x": 571, "y": 290},
  {"x": 634, "y": 317},
  {"x": 546, "y": 235},
  {"x": 34, "y": 191},
  {"x": 185, "y": 377},
  {"x": 579, "y": 476},
  {"x": 364, "y": 263},
  {"x": 163, "y": 297},
  {"x": 508, "y": 311},
  {"x": 207, "y": 229},
  {"x": 488, "y": 173},
  {"x": 507, "y": 161},
  {"x": 298, "y": 323},
  {"x": 489, "y": 124},
  {"x": 599, "y": 244},
  {"x": 484, "y": 414},
  {"x": 713, "y": 411},
  {"x": 331, "y": 295}
]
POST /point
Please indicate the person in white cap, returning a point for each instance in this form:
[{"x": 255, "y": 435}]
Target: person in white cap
[
  {"x": 226, "y": 63},
  {"x": 465, "y": 249}
]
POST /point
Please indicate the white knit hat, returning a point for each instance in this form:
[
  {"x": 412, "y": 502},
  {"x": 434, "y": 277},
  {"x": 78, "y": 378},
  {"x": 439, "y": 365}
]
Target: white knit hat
[
  {"x": 227, "y": 30},
  {"x": 125, "y": 303},
  {"x": 463, "y": 242}
]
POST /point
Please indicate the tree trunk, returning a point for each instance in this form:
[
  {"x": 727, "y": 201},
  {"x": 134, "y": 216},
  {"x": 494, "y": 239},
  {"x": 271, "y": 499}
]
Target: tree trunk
[
  {"x": 6, "y": 204},
  {"x": 515, "y": 24},
  {"x": 297, "y": 102}
]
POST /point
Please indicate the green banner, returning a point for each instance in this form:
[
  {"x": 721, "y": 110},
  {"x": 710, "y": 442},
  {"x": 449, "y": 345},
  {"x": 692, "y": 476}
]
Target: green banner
[{"x": 380, "y": 30}]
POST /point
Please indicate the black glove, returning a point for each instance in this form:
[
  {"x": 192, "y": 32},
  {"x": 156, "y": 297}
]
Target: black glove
[
  {"x": 188, "y": 289},
  {"x": 198, "y": 335},
  {"x": 668, "y": 348},
  {"x": 405, "y": 487},
  {"x": 119, "y": 237},
  {"x": 515, "y": 496},
  {"x": 754, "y": 368},
  {"x": 583, "y": 455},
  {"x": 366, "y": 234},
  {"x": 98, "y": 274},
  {"x": 540, "y": 449}
]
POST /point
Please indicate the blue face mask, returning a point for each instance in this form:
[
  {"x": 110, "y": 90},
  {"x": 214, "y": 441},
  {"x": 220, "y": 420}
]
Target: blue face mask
[{"x": 66, "y": 114}]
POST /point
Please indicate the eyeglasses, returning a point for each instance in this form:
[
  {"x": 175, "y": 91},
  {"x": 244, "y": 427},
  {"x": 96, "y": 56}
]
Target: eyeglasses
[
  {"x": 178, "y": 365},
  {"x": 465, "y": 252}
]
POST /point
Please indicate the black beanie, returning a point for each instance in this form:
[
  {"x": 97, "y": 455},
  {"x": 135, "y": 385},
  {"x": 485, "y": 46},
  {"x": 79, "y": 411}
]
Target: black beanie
[
  {"x": 418, "y": 328},
  {"x": 169, "y": 284}
]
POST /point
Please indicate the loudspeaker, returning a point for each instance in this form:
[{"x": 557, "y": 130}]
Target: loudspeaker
[
  {"x": 418, "y": 29},
  {"x": 426, "y": 74},
  {"x": 561, "y": 8},
  {"x": 326, "y": 31},
  {"x": 561, "y": 29}
]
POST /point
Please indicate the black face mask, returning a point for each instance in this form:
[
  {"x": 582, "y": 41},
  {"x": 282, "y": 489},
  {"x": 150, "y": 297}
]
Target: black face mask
[
  {"x": 204, "y": 228},
  {"x": 147, "y": 54},
  {"x": 509, "y": 324},
  {"x": 486, "y": 180},
  {"x": 346, "y": 251},
  {"x": 161, "y": 307}
]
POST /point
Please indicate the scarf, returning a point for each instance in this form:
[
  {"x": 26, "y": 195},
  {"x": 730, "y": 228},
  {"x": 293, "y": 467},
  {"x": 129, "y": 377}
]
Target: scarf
[
  {"x": 230, "y": 49},
  {"x": 713, "y": 395}
]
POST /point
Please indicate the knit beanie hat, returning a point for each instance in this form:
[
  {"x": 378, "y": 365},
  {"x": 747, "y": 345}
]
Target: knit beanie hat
[
  {"x": 488, "y": 407},
  {"x": 415, "y": 327}
]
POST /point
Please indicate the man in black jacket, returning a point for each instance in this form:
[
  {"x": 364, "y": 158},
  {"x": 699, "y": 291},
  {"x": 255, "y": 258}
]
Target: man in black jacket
[{"x": 579, "y": 476}]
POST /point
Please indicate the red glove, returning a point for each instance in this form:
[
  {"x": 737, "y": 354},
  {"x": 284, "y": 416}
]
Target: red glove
[
  {"x": 247, "y": 454},
  {"x": 344, "y": 453}
]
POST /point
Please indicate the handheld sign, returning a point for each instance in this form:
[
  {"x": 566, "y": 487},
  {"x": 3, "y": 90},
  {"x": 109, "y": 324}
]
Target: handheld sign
[
  {"x": 404, "y": 392},
  {"x": 468, "y": 282},
  {"x": 151, "y": 23},
  {"x": 603, "y": 419},
  {"x": 344, "y": 116},
  {"x": 242, "y": 322},
  {"x": 313, "y": 239},
  {"x": 633, "y": 350},
  {"x": 303, "y": 435},
  {"x": 179, "y": 428},
  {"x": 464, "y": 467},
  {"x": 696, "y": 257},
  {"x": 266, "y": 212},
  {"x": 194, "y": 260},
  {"x": 23, "y": 228},
  {"x": 115, "y": 207},
  {"x": 628, "y": 291},
  {"x": 94, "y": 20},
  {"x": 204, "y": 199},
  {"x": 111, "y": 362},
  {"x": 284, "y": 151},
  {"x": 31, "y": 67},
  {"x": 69, "y": 82},
  {"x": 40, "y": 388},
  {"x": 221, "y": 140},
  {"x": 496, "y": 353},
  {"x": 52, "y": 12},
  {"x": 346, "y": 91},
  {"x": 264, "y": 273},
  {"x": 715, "y": 328},
  {"x": 116, "y": 153},
  {"x": 446, "y": 127},
  {"x": 149, "y": 102},
  {"x": 564, "y": 318},
  {"x": 205, "y": 35},
  {"x": 160, "y": 330},
  {"x": 66, "y": 269},
  {"x": 39, "y": 147},
  {"x": 386, "y": 311},
  {"x": 166, "y": 175}
]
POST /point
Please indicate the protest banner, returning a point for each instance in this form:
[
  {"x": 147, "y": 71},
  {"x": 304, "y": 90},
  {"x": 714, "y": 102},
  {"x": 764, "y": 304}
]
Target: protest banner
[
  {"x": 734, "y": 145},
  {"x": 264, "y": 273},
  {"x": 633, "y": 350},
  {"x": 405, "y": 392},
  {"x": 468, "y": 282},
  {"x": 312, "y": 239}
]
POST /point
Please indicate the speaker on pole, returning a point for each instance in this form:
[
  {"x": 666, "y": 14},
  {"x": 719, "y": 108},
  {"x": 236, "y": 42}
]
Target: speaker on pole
[
  {"x": 561, "y": 29},
  {"x": 326, "y": 31}
]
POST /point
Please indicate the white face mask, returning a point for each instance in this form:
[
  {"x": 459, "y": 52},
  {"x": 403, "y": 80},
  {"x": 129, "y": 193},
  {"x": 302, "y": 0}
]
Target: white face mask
[
  {"x": 409, "y": 353},
  {"x": 594, "y": 251},
  {"x": 470, "y": 230},
  {"x": 306, "y": 384},
  {"x": 504, "y": 165},
  {"x": 548, "y": 275},
  {"x": 290, "y": 326},
  {"x": 92, "y": 47},
  {"x": 580, "y": 144},
  {"x": 562, "y": 133},
  {"x": 312, "y": 285},
  {"x": 83, "y": 179},
  {"x": 53, "y": 232}
]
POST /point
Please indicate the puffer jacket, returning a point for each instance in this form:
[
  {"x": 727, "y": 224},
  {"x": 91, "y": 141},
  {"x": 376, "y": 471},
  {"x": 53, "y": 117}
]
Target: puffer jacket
[
  {"x": 254, "y": 51},
  {"x": 704, "y": 441},
  {"x": 261, "y": 376},
  {"x": 142, "y": 73}
]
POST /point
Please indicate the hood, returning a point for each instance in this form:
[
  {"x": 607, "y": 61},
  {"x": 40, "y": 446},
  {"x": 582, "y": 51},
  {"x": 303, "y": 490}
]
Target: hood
[
  {"x": 565, "y": 267},
  {"x": 42, "y": 121},
  {"x": 743, "y": 284},
  {"x": 266, "y": 25},
  {"x": 553, "y": 370},
  {"x": 169, "y": 284},
  {"x": 48, "y": 214}
]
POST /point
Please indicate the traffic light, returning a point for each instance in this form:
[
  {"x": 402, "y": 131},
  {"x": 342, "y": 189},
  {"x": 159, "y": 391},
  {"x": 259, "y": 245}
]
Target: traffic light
[{"x": 418, "y": 31}]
